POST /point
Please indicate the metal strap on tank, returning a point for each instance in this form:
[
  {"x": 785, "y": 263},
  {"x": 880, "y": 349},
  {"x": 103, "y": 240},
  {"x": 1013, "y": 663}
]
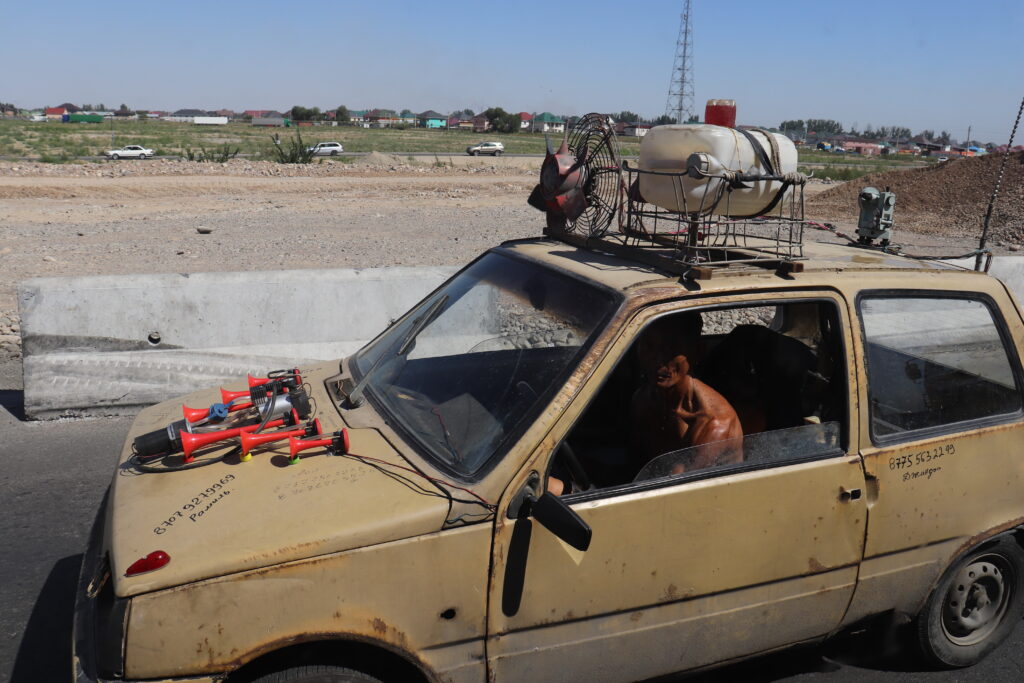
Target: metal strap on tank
[
  {"x": 759, "y": 150},
  {"x": 768, "y": 165}
]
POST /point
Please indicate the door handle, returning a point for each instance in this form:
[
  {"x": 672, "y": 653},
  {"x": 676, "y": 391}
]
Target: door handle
[{"x": 846, "y": 495}]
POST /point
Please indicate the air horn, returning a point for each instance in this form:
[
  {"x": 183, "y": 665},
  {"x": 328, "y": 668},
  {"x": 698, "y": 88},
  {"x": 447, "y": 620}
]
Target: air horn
[
  {"x": 250, "y": 440},
  {"x": 336, "y": 443},
  {"x": 192, "y": 442},
  {"x": 272, "y": 398}
]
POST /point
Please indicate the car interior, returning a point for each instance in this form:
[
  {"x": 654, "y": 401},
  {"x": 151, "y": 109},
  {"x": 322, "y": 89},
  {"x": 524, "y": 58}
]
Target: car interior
[{"x": 781, "y": 368}]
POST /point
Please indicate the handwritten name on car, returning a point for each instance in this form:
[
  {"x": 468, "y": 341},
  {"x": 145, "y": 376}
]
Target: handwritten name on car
[
  {"x": 198, "y": 505},
  {"x": 913, "y": 462}
]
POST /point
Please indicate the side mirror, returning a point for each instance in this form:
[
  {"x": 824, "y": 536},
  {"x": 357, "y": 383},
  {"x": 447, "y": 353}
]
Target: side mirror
[{"x": 561, "y": 520}]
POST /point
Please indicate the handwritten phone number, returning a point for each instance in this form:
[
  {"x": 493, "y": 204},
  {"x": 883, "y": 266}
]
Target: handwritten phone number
[
  {"x": 900, "y": 462},
  {"x": 215, "y": 490}
]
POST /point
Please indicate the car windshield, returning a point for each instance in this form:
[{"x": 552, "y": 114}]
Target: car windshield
[{"x": 465, "y": 372}]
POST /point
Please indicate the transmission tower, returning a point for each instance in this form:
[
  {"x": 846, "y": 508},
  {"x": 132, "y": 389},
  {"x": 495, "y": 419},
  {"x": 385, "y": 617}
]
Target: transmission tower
[{"x": 680, "y": 89}]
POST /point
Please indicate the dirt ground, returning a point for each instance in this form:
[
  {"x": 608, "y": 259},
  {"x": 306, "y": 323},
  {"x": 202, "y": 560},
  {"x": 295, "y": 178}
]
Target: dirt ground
[{"x": 159, "y": 217}]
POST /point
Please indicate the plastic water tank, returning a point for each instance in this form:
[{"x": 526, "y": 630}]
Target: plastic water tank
[{"x": 666, "y": 149}]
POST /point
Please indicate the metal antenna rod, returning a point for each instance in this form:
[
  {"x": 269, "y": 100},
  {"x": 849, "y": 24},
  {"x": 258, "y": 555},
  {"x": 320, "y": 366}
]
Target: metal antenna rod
[
  {"x": 995, "y": 190},
  {"x": 680, "y": 89}
]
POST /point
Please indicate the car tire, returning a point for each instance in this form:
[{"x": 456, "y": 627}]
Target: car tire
[
  {"x": 143, "y": 156},
  {"x": 975, "y": 605},
  {"x": 317, "y": 673},
  {"x": 475, "y": 153},
  {"x": 497, "y": 154},
  {"x": 114, "y": 157},
  {"x": 334, "y": 152}
]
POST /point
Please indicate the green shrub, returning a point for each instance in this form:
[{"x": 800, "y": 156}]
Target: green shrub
[
  {"x": 217, "y": 155},
  {"x": 293, "y": 151}
]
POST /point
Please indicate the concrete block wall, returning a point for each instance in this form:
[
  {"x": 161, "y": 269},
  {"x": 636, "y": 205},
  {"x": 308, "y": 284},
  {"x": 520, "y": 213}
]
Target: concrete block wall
[{"x": 112, "y": 344}]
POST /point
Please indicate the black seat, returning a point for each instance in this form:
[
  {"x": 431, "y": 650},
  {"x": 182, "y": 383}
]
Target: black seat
[{"x": 765, "y": 375}]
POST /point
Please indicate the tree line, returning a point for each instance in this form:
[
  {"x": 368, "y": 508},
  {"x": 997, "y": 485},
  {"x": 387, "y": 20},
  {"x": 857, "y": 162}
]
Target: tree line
[{"x": 825, "y": 127}]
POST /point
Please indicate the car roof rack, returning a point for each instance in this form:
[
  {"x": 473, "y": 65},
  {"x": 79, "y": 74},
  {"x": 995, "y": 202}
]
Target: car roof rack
[{"x": 698, "y": 241}]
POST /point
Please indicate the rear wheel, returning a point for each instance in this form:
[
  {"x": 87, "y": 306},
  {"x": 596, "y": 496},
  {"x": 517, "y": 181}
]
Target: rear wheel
[
  {"x": 317, "y": 673},
  {"x": 974, "y": 607}
]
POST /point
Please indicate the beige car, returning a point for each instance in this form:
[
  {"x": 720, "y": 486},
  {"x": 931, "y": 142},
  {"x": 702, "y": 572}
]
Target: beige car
[{"x": 880, "y": 474}]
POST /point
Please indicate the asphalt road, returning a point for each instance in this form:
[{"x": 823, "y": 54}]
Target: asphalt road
[{"x": 54, "y": 474}]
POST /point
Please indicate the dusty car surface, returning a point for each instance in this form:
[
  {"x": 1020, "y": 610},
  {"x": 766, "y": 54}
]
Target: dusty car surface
[{"x": 878, "y": 473}]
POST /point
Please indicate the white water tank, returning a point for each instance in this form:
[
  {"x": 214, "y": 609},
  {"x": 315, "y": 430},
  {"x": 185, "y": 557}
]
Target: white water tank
[{"x": 666, "y": 149}]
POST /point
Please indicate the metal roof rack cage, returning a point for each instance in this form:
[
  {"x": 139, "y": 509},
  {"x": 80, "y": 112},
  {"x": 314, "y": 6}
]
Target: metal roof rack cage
[{"x": 707, "y": 233}]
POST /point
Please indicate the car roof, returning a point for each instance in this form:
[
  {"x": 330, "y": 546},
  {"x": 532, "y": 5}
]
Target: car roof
[{"x": 823, "y": 265}]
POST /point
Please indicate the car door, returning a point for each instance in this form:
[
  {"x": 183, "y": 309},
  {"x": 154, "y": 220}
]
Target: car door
[
  {"x": 682, "y": 571},
  {"x": 943, "y": 433}
]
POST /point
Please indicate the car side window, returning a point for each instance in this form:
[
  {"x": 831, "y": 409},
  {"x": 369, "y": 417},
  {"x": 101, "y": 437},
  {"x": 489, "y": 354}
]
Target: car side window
[
  {"x": 933, "y": 362},
  {"x": 713, "y": 391}
]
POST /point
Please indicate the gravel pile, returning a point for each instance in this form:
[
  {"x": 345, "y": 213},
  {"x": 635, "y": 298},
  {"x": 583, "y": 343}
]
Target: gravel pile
[
  {"x": 10, "y": 336},
  {"x": 949, "y": 198}
]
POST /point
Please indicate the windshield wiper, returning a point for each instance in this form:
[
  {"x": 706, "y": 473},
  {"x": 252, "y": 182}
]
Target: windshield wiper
[{"x": 355, "y": 397}]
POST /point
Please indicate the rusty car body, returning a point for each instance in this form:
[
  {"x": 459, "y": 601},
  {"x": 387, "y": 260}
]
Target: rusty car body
[{"x": 417, "y": 554}]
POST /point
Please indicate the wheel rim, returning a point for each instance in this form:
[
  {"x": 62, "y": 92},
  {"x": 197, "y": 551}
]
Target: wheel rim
[{"x": 977, "y": 600}]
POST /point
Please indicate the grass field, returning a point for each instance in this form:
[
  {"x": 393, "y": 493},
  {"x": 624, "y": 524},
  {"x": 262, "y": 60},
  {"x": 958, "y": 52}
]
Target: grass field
[
  {"x": 63, "y": 142},
  {"x": 70, "y": 140}
]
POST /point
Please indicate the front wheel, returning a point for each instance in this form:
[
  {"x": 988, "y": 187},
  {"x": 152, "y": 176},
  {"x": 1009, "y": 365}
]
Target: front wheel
[
  {"x": 475, "y": 153},
  {"x": 114, "y": 157},
  {"x": 317, "y": 673},
  {"x": 143, "y": 156},
  {"x": 975, "y": 605},
  {"x": 334, "y": 152},
  {"x": 497, "y": 154}
]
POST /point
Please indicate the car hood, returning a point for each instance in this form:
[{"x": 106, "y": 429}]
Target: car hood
[{"x": 233, "y": 516}]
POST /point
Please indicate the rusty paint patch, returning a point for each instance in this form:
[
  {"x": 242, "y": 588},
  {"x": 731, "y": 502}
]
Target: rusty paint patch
[
  {"x": 814, "y": 566},
  {"x": 379, "y": 627},
  {"x": 636, "y": 616},
  {"x": 671, "y": 593}
]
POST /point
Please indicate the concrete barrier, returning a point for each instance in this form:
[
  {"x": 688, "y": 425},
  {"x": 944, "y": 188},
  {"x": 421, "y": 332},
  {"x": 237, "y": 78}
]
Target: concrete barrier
[
  {"x": 109, "y": 345},
  {"x": 1009, "y": 269}
]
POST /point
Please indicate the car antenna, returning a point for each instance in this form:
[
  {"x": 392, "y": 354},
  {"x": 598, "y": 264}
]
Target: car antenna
[{"x": 995, "y": 190}]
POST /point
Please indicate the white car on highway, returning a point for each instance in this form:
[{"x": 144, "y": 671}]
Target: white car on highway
[
  {"x": 492, "y": 148},
  {"x": 129, "y": 152},
  {"x": 326, "y": 149}
]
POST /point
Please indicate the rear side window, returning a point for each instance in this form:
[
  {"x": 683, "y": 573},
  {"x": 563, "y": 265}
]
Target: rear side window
[{"x": 934, "y": 362}]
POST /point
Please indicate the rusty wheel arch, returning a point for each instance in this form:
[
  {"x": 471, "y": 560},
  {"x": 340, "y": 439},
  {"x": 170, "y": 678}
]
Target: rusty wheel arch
[
  {"x": 1013, "y": 529},
  {"x": 370, "y": 657}
]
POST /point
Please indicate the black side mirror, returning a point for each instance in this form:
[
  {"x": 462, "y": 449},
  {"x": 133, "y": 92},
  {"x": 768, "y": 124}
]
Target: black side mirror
[{"x": 561, "y": 520}]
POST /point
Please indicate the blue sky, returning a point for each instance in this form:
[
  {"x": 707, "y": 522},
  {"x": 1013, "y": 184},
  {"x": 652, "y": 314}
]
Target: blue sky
[{"x": 937, "y": 65}]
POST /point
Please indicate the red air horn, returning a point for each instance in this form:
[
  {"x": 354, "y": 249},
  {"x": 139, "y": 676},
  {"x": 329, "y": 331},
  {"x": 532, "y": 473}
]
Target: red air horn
[
  {"x": 229, "y": 396},
  {"x": 191, "y": 442},
  {"x": 337, "y": 442},
  {"x": 250, "y": 441}
]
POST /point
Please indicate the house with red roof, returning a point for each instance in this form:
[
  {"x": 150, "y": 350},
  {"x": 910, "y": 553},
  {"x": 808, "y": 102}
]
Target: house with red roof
[
  {"x": 55, "y": 113},
  {"x": 525, "y": 120}
]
